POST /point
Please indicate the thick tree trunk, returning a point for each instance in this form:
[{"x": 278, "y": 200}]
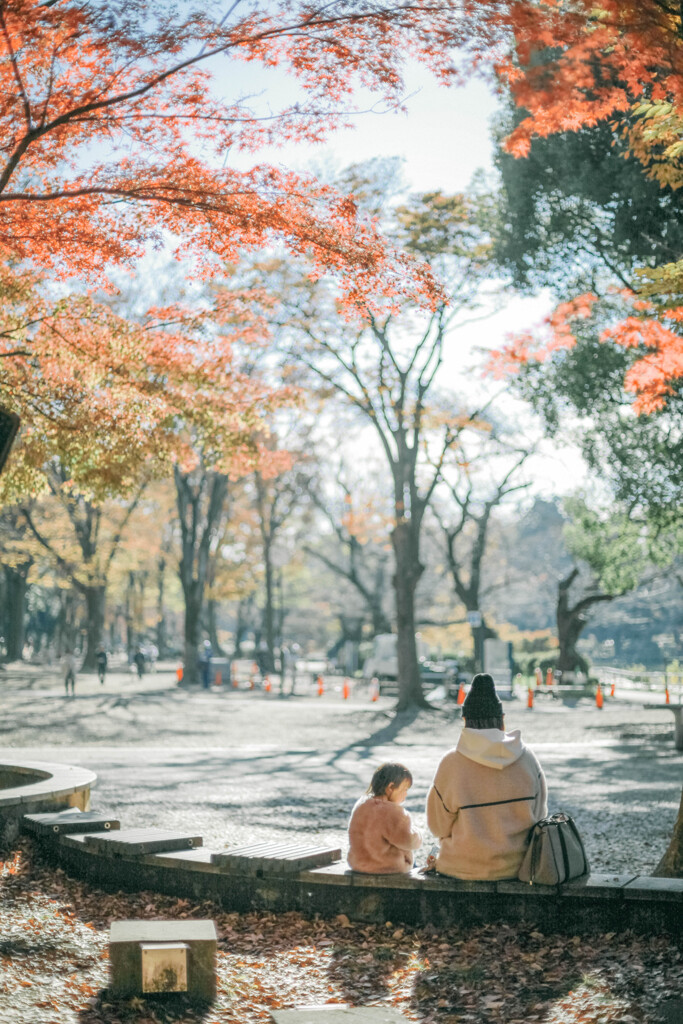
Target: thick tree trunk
[
  {"x": 201, "y": 500},
  {"x": 212, "y": 627},
  {"x": 479, "y": 634},
  {"x": 408, "y": 572},
  {"x": 94, "y": 610},
  {"x": 15, "y": 611},
  {"x": 269, "y": 609},
  {"x": 161, "y": 615},
  {"x": 571, "y": 621},
  {"x": 380, "y": 620},
  {"x": 66, "y": 631},
  {"x": 671, "y": 864},
  {"x": 192, "y": 634}
]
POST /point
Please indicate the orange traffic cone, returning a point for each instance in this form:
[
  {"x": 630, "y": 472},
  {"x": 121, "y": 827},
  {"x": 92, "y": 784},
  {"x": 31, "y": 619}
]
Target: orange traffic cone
[
  {"x": 218, "y": 681},
  {"x": 179, "y": 673},
  {"x": 252, "y": 677},
  {"x": 530, "y": 698},
  {"x": 346, "y": 690},
  {"x": 539, "y": 676},
  {"x": 235, "y": 680},
  {"x": 667, "y": 698},
  {"x": 549, "y": 677},
  {"x": 611, "y": 689},
  {"x": 374, "y": 688},
  {"x": 321, "y": 686},
  {"x": 266, "y": 684},
  {"x": 599, "y": 699},
  {"x": 461, "y": 694}
]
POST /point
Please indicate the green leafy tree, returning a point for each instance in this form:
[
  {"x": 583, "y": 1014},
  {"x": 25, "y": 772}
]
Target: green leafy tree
[{"x": 615, "y": 550}]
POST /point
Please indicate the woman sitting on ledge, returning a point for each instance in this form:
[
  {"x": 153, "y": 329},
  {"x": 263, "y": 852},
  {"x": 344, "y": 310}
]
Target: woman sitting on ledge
[
  {"x": 381, "y": 835},
  {"x": 486, "y": 795}
]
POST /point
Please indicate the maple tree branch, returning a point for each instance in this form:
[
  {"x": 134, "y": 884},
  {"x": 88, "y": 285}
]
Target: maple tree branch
[
  {"x": 116, "y": 539},
  {"x": 158, "y": 79},
  {"x": 15, "y": 69},
  {"x": 62, "y": 563}
]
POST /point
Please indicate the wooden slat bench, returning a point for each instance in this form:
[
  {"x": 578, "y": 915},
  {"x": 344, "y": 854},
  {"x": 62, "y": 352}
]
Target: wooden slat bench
[
  {"x": 275, "y": 858},
  {"x": 138, "y": 841},
  {"x": 69, "y": 821}
]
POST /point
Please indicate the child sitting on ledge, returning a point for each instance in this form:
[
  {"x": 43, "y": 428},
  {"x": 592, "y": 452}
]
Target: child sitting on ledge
[{"x": 381, "y": 835}]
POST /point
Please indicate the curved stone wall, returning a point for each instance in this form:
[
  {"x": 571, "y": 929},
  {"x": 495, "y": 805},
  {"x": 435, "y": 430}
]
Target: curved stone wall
[{"x": 27, "y": 787}]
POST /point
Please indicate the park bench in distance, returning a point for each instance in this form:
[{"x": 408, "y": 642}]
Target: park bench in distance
[{"x": 677, "y": 710}]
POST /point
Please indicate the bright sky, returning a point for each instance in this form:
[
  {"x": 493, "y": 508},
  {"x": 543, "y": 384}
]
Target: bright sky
[{"x": 443, "y": 139}]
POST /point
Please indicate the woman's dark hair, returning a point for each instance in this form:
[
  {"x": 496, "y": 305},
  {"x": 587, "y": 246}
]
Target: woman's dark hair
[
  {"x": 484, "y": 723},
  {"x": 482, "y": 707},
  {"x": 385, "y": 775}
]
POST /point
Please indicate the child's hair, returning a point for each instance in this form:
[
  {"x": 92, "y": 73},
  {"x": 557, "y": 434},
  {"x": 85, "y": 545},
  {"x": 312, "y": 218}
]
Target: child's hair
[{"x": 385, "y": 775}]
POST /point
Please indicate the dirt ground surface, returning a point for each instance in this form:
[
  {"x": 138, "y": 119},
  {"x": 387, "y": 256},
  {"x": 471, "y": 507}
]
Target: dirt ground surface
[
  {"x": 237, "y": 766},
  {"x": 240, "y": 765}
]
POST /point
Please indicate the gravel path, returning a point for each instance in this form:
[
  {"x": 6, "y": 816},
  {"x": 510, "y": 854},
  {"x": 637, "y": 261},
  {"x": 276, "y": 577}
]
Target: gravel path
[{"x": 242, "y": 766}]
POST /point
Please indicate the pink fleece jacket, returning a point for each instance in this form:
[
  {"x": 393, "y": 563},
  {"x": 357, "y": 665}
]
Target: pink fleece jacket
[{"x": 381, "y": 837}]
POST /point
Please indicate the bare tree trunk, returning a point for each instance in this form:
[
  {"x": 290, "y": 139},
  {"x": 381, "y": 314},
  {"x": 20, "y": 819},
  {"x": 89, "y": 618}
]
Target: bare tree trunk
[
  {"x": 671, "y": 864},
  {"x": 571, "y": 621},
  {"x": 479, "y": 635},
  {"x": 15, "y": 610},
  {"x": 408, "y": 572},
  {"x": 269, "y": 609},
  {"x": 192, "y": 631},
  {"x": 161, "y": 616},
  {"x": 94, "y": 610},
  {"x": 380, "y": 620},
  {"x": 212, "y": 627},
  {"x": 201, "y": 502}
]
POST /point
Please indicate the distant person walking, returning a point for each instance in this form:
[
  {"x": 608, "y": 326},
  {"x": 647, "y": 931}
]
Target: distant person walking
[
  {"x": 205, "y": 656},
  {"x": 139, "y": 660},
  {"x": 69, "y": 672},
  {"x": 101, "y": 658}
]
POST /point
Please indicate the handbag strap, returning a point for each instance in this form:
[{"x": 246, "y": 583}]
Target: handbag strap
[{"x": 491, "y": 803}]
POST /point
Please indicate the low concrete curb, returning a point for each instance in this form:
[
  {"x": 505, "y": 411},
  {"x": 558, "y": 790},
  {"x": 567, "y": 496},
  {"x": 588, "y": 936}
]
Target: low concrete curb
[
  {"x": 29, "y": 787},
  {"x": 598, "y": 903},
  {"x": 177, "y": 864}
]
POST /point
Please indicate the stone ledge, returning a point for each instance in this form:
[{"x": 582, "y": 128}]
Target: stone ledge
[
  {"x": 55, "y": 784},
  {"x": 645, "y": 887}
]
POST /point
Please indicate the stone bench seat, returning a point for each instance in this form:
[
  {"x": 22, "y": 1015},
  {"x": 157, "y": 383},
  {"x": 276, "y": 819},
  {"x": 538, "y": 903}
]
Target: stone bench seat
[
  {"x": 35, "y": 786},
  {"x": 677, "y": 711}
]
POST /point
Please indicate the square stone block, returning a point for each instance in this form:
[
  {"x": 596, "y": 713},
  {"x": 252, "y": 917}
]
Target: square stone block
[
  {"x": 339, "y": 1014},
  {"x": 150, "y": 957}
]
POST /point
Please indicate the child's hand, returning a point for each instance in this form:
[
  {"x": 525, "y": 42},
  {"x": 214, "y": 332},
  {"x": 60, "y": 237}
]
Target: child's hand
[{"x": 430, "y": 864}]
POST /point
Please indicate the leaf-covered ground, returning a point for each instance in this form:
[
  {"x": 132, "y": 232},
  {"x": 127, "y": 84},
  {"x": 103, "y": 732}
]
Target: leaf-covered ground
[{"x": 54, "y": 964}]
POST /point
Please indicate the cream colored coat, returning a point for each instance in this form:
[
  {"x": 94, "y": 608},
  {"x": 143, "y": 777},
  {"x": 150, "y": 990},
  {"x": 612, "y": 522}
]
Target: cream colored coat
[
  {"x": 486, "y": 767},
  {"x": 381, "y": 837}
]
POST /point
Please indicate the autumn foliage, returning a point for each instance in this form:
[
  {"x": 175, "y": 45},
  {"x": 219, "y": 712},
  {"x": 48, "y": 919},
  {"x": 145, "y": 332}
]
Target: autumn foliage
[
  {"x": 115, "y": 137},
  {"x": 571, "y": 66}
]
